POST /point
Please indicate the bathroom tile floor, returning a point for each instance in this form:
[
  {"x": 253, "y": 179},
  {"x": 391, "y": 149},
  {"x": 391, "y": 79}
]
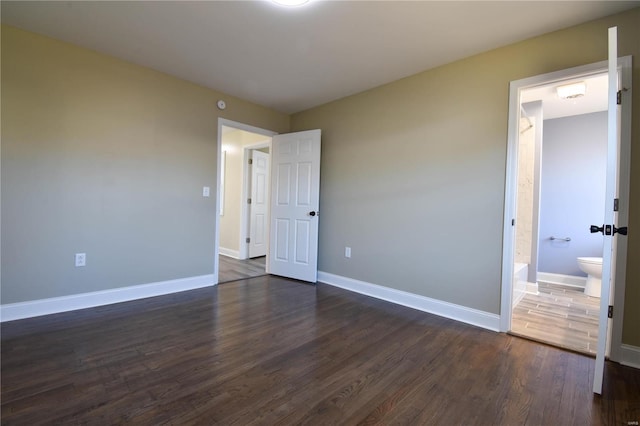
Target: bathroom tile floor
[{"x": 558, "y": 315}]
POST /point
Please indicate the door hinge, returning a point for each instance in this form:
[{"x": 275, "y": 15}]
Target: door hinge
[
  {"x": 610, "y": 311},
  {"x": 619, "y": 97},
  {"x": 513, "y": 222},
  {"x": 615, "y": 204},
  {"x": 250, "y": 161},
  {"x": 248, "y": 200},
  {"x": 248, "y": 240}
]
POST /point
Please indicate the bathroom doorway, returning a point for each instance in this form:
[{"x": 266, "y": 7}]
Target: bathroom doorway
[
  {"x": 554, "y": 193},
  {"x": 562, "y": 160}
]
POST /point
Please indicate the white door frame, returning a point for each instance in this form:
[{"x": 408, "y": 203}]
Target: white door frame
[
  {"x": 239, "y": 126},
  {"x": 515, "y": 87},
  {"x": 245, "y": 220}
]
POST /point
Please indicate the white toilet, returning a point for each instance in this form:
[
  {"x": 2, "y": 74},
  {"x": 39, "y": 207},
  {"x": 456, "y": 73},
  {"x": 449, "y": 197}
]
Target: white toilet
[{"x": 592, "y": 266}]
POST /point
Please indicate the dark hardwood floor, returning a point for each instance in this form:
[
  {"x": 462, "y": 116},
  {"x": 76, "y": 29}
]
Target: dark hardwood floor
[{"x": 273, "y": 351}]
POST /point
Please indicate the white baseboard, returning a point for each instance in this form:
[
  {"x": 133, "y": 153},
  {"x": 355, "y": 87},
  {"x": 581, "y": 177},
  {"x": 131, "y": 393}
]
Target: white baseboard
[
  {"x": 630, "y": 356},
  {"x": 568, "y": 280},
  {"x": 518, "y": 295},
  {"x": 437, "y": 307},
  {"x": 35, "y": 308},
  {"x": 229, "y": 253}
]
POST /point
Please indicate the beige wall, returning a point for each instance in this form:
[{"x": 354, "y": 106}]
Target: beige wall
[
  {"x": 233, "y": 143},
  {"x": 413, "y": 172},
  {"x": 108, "y": 158}
]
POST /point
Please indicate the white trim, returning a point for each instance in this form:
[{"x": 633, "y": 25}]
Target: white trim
[
  {"x": 223, "y": 172},
  {"x": 437, "y": 307},
  {"x": 630, "y": 356},
  {"x": 245, "y": 127},
  {"x": 517, "y": 297},
  {"x": 508, "y": 221},
  {"x": 520, "y": 274},
  {"x": 229, "y": 253},
  {"x": 562, "y": 279},
  {"x": 35, "y": 308}
]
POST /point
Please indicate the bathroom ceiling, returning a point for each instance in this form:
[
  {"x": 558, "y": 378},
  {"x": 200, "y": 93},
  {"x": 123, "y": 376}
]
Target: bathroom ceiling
[
  {"x": 594, "y": 100},
  {"x": 297, "y": 58}
]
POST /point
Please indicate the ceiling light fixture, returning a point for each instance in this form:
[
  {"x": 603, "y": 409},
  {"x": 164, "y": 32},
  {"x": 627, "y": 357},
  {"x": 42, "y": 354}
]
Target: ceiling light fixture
[
  {"x": 572, "y": 91},
  {"x": 290, "y": 3}
]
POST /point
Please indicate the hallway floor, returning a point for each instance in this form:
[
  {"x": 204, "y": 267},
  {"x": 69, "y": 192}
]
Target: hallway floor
[
  {"x": 559, "y": 315},
  {"x": 233, "y": 269}
]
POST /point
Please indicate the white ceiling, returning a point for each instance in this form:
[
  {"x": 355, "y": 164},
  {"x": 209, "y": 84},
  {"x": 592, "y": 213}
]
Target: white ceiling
[
  {"x": 294, "y": 59},
  {"x": 594, "y": 99}
]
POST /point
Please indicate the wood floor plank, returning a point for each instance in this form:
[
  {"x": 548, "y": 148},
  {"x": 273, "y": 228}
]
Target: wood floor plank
[
  {"x": 271, "y": 351},
  {"x": 231, "y": 269}
]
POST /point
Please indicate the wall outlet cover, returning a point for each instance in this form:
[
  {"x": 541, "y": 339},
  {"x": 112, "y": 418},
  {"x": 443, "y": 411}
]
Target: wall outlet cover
[{"x": 81, "y": 259}]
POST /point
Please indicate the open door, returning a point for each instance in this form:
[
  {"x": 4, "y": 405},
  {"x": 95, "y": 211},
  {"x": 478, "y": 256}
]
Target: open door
[
  {"x": 259, "y": 207},
  {"x": 609, "y": 228},
  {"x": 295, "y": 196}
]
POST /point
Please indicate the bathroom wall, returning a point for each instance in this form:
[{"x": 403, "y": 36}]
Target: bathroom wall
[{"x": 572, "y": 194}]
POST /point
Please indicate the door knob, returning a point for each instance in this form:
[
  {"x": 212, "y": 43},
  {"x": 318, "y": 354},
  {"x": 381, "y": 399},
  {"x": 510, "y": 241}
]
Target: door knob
[
  {"x": 622, "y": 230},
  {"x": 312, "y": 213},
  {"x": 606, "y": 230}
]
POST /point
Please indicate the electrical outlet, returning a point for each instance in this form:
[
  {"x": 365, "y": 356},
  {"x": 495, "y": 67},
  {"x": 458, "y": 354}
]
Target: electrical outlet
[
  {"x": 347, "y": 252},
  {"x": 205, "y": 191},
  {"x": 81, "y": 259}
]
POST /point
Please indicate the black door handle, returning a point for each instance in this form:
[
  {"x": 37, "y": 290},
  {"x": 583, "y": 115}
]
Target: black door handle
[
  {"x": 312, "y": 213},
  {"x": 607, "y": 230},
  {"x": 622, "y": 230}
]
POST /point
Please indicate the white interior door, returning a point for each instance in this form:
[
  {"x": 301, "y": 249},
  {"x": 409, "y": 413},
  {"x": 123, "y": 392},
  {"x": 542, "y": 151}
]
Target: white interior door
[
  {"x": 609, "y": 216},
  {"x": 295, "y": 195},
  {"x": 259, "y": 207}
]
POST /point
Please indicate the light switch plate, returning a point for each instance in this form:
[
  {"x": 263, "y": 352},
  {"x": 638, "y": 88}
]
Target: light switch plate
[{"x": 205, "y": 191}]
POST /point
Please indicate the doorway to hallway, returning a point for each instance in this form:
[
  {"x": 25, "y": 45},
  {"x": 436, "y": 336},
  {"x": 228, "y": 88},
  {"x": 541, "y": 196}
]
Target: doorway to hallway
[{"x": 243, "y": 221}]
